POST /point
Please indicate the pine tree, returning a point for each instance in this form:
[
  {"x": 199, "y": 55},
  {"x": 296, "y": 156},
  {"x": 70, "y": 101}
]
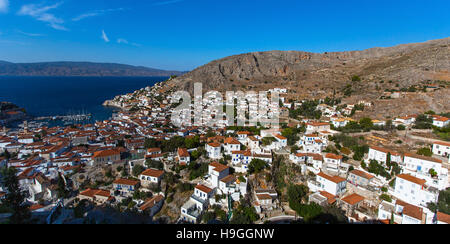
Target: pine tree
[{"x": 15, "y": 197}]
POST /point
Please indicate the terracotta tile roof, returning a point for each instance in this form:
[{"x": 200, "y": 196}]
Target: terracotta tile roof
[
  {"x": 440, "y": 118},
  {"x": 431, "y": 159},
  {"x": 152, "y": 150},
  {"x": 103, "y": 193},
  {"x": 264, "y": 196},
  {"x": 218, "y": 166},
  {"x": 335, "y": 179},
  {"x": 89, "y": 192},
  {"x": 231, "y": 140},
  {"x": 443, "y": 217},
  {"x": 149, "y": 203},
  {"x": 214, "y": 144},
  {"x": 228, "y": 179},
  {"x": 381, "y": 149},
  {"x": 317, "y": 123},
  {"x": 413, "y": 179},
  {"x": 280, "y": 137},
  {"x": 353, "y": 199},
  {"x": 362, "y": 174},
  {"x": 36, "y": 207},
  {"x": 106, "y": 153},
  {"x": 126, "y": 182},
  {"x": 334, "y": 156},
  {"x": 413, "y": 211},
  {"x": 442, "y": 143},
  {"x": 330, "y": 197},
  {"x": 153, "y": 173},
  {"x": 203, "y": 188},
  {"x": 252, "y": 138},
  {"x": 183, "y": 152}
]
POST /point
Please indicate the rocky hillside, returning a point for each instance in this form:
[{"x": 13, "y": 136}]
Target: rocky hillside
[
  {"x": 407, "y": 64},
  {"x": 79, "y": 69},
  {"x": 314, "y": 75}
]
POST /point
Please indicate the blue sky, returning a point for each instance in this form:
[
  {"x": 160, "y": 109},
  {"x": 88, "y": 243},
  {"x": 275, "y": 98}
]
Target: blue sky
[{"x": 183, "y": 34}]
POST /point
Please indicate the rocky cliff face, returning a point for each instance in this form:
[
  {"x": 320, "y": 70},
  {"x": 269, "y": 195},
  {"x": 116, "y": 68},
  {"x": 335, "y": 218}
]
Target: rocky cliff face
[{"x": 405, "y": 64}]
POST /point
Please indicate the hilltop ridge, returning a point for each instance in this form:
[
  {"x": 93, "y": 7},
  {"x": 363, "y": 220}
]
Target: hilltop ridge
[{"x": 79, "y": 69}]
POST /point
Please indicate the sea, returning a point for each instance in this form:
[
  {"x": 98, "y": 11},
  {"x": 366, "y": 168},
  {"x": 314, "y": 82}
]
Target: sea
[{"x": 57, "y": 96}]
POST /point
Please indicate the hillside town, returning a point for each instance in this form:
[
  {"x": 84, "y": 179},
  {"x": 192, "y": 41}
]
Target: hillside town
[{"x": 318, "y": 165}]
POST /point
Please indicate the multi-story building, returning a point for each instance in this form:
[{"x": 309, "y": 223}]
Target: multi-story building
[
  {"x": 217, "y": 172},
  {"x": 151, "y": 176},
  {"x": 414, "y": 190},
  {"x": 214, "y": 150},
  {"x": 231, "y": 145},
  {"x": 427, "y": 168},
  {"x": 441, "y": 148},
  {"x": 381, "y": 154},
  {"x": 334, "y": 185},
  {"x": 106, "y": 156},
  {"x": 183, "y": 156},
  {"x": 360, "y": 178},
  {"x": 333, "y": 161},
  {"x": 125, "y": 187}
]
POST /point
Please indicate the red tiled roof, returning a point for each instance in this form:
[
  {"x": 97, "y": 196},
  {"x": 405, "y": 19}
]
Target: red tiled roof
[
  {"x": 362, "y": 174},
  {"x": 412, "y": 179},
  {"x": 214, "y": 144},
  {"x": 335, "y": 179},
  {"x": 264, "y": 196},
  {"x": 231, "y": 140},
  {"x": 218, "y": 166},
  {"x": 153, "y": 173},
  {"x": 442, "y": 143},
  {"x": 413, "y": 211},
  {"x": 151, "y": 150},
  {"x": 353, "y": 199},
  {"x": 334, "y": 156},
  {"x": 228, "y": 179},
  {"x": 330, "y": 197},
  {"x": 183, "y": 152},
  {"x": 431, "y": 159},
  {"x": 126, "y": 182},
  {"x": 36, "y": 207},
  {"x": 149, "y": 203},
  {"x": 317, "y": 123},
  {"x": 443, "y": 217},
  {"x": 106, "y": 153},
  {"x": 280, "y": 137},
  {"x": 203, "y": 188},
  {"x": 380, "y": 149}
]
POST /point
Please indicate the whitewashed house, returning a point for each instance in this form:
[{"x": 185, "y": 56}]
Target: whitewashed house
[
  {"x": 414, "y": 190},
  {"x": 334, "y": 185},
  {"x": 441, "y": 148},
  {"x": 230, "y": 144},
  {"x": 380, "y": 154},
  {"x": 214, "y": 150}
]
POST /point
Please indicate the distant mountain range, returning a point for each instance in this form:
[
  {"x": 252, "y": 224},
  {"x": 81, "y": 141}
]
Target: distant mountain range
[{"x": 79, "y": 69}]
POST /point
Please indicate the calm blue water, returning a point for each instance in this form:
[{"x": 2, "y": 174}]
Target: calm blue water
[{"x": 48, "y": 96}]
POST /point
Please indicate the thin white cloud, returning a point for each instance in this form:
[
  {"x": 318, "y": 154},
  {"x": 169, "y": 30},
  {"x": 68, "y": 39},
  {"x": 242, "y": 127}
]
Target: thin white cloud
[
  {"x": 122, "y": 41},
  {"x": 4, "y": 6},
  {"x": 29, "y": 34},
  {"x": 95, "y": 13},
  {"x": 104, "y": 36},
  {"x": 167, "y": 2},
  {"x": 40, "y": 12},
  {"x": 125, "y": 41}
]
